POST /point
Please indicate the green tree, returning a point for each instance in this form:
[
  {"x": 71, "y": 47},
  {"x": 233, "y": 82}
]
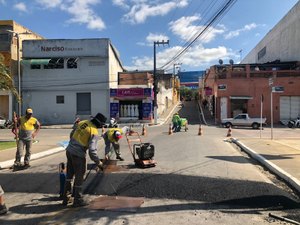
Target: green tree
[{"x": 6, "y": 81}]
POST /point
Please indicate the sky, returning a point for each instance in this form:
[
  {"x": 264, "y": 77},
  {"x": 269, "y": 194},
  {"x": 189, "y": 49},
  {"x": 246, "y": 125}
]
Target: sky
[{"x": 133, "y": 26}]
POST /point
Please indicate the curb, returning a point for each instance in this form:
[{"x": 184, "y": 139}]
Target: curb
[
  {"x": 9, "y": 163},
  {"x": 294, "y": 182}
]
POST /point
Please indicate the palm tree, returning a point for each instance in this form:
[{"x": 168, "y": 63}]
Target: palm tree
[{"x": 6, "y": 81}]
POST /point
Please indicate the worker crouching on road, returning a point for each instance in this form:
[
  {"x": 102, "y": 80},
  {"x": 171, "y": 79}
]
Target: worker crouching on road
[
  {"x": 85, "y": 137},
  {"x": 111, "y": 138},
  {"x": 26, "y": 129},
  {"x": 176, "y": 122}
]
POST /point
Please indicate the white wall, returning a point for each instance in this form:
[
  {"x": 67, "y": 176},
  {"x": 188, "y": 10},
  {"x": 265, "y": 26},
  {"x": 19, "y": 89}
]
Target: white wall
[{"x": 282, "y": 42}]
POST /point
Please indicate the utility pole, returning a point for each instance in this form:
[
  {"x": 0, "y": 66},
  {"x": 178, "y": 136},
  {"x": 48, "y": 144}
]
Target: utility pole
[{"x": 155, "y": 77}]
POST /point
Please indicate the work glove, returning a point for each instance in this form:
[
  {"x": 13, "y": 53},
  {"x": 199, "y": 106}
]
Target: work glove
[{"x": 99, "y": 166}]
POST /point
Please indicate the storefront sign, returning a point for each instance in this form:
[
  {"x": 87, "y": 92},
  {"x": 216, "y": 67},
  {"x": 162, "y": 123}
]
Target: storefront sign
[
  {"x": 208, "y": 91},
  {"x": 148, "y": 92},
  {"x": 114, "y": 109},
  {"x": 147, "y": 111},
  {"x": 131, "y": 92}
]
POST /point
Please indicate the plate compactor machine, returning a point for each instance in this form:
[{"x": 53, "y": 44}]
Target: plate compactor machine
[{"x": 142, "y": 153}]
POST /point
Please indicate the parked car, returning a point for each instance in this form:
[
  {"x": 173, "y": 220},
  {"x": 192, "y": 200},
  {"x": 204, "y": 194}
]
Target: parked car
[{"x": 243, "y": 119}]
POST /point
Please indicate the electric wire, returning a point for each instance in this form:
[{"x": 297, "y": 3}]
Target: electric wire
[{"x": 211, "y": 21}]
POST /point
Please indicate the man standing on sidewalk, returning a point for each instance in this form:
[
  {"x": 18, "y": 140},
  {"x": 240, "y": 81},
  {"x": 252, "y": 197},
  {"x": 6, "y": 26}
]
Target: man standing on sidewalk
[
  {"x": 85, "y": 137},
  {"x": 27, "y": 128}
]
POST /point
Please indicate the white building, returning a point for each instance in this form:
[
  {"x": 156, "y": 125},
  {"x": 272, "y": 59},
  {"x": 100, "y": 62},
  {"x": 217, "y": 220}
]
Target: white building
[
  {"x": 68, "y": 78},
  {"x": 281, "y": 43}
]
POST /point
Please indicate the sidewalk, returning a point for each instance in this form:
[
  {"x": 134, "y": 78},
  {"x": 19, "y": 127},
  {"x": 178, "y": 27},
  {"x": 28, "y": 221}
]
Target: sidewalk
[{"x": 281, "y": 156}]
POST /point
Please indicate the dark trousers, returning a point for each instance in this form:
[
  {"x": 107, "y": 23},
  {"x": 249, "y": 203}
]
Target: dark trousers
[{"x": 76, "y": 167}]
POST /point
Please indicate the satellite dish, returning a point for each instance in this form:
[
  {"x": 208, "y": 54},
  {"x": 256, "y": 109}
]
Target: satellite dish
[
  {"x": 231, "y": 62},
  {"x": 220, "y": 61}
]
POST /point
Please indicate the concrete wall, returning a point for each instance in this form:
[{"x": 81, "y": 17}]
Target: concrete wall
[
  {"x": 92, "y": 75},
  {"x": 281, "y": 43}
]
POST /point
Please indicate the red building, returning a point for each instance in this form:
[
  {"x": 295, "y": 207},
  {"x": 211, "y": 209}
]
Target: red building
[{"x": 233, "y": 89}]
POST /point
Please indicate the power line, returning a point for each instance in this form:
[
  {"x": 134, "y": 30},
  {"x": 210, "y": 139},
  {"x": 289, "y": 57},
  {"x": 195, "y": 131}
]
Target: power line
[{"x": 189, "y": 44}]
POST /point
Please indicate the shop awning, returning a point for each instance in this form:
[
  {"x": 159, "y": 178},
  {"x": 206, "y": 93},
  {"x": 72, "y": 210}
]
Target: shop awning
[
  {"x": 35, "y": 61},
  {"x": 241, "y": 97}
]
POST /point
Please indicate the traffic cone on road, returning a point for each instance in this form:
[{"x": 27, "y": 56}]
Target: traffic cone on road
[
  {"x": 229, "y": 132},
  {"x": 3, "y": 208},
  {"x": 200, "y": 130},
  {"x": 170, "y": 129},
  {"x": 144, "y": 130}
]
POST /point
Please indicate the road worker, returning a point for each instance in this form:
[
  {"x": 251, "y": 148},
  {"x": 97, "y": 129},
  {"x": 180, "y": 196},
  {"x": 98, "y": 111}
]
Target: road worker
[
  {"x": 176, "y": 122},
  {"x": 85, "y": 137},
  {"x": 111, "y": 138},
  {"x": 26, "y": 129}
]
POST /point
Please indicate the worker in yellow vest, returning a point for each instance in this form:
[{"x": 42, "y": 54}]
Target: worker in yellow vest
[
  {"x": 27, "y": 128},
  {"x": 111, "y": 138},
  {"x": 85, "y": 137}
]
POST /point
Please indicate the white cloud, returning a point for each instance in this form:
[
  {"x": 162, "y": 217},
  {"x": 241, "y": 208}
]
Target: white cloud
[
  {"x": 121, "y": 3},
  {"x": 81, "y": 11},
  {"x": 142, "y": 10},
  {"x": 156, "y": 37},
  {"x": 237, "y": 32},
  {"x": 186, "y": 30},
  {"x": 20, "y": 6},
  {"x": 49, "y": 3},
  {"x": 196, "y": 57}
]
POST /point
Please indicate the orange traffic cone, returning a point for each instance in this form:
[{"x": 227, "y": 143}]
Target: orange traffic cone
[
  {"x": 170, "y": 129},
  {"x": 229, "y": 132},
  {"x": 200, "y": 130},
  {"x": 144, "y": 130}
]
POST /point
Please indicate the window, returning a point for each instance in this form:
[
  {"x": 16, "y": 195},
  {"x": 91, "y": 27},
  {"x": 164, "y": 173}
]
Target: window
[
  {"x": 35, "y": 66},
  {"x": 4, "y": 37},
  {"x": 83, "y": 103},
  {"x": 261, "y": 53},
  {"x": 60, "y": 99},
  {"x": 55, "y": 63},
  {"x": 72, "y": 63}
]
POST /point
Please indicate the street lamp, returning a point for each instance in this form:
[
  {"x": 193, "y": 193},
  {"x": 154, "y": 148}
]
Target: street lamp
[{"x": 17, "y": 35}]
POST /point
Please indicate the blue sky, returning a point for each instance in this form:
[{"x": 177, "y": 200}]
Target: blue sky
[{"x": 133, "y": 26}]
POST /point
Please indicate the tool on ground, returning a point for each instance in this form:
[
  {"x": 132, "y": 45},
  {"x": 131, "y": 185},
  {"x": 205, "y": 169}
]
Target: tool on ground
[
  {"x": 229, "y": 132},
  {"x": 142, "y": 153},
  {"x": 283, "y": 219},
  {"x": 62, "y": 178},
  {"x": 92, "y": 167},
  {"x": 200, "y": 130},
  {"x": 143, "y": 130}
]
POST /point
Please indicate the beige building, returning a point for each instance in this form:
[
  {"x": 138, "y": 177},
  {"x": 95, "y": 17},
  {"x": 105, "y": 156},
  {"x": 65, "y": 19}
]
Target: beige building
[{"x": 11, "y": 36}]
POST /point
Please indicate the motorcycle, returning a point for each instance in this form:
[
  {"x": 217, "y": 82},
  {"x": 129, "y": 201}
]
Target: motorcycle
[{"x": 294, "y": 123}]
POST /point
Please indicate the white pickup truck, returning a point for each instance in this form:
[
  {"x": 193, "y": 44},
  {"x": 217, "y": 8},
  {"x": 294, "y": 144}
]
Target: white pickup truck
[{"x": 243, "y": 119}]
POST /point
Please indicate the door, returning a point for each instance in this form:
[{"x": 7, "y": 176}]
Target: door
[{"x": 223, "y": 106}]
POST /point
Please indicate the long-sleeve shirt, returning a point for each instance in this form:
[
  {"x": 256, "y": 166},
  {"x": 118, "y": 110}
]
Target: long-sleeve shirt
[{"x": 84, "y": 138}]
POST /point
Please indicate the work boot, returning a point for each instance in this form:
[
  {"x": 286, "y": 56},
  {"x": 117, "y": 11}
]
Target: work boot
[
  {"x": 67, "y": 196},
  {"x": 78, "y": 198},
  {"x": 3, "y": 209},
  {"x": 120, "y": 158},
  {"x": 17, "y": 164},
  {"x": 26, "y": 164}
]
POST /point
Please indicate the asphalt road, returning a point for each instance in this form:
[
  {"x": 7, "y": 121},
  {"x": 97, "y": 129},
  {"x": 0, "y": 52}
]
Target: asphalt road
[{"x": 197, "y": 180}]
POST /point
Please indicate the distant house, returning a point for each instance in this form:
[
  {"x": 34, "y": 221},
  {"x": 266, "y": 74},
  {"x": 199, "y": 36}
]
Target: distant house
[
  {"x": 11, "y": 36},
  {"x": 68, "y": 78}
]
